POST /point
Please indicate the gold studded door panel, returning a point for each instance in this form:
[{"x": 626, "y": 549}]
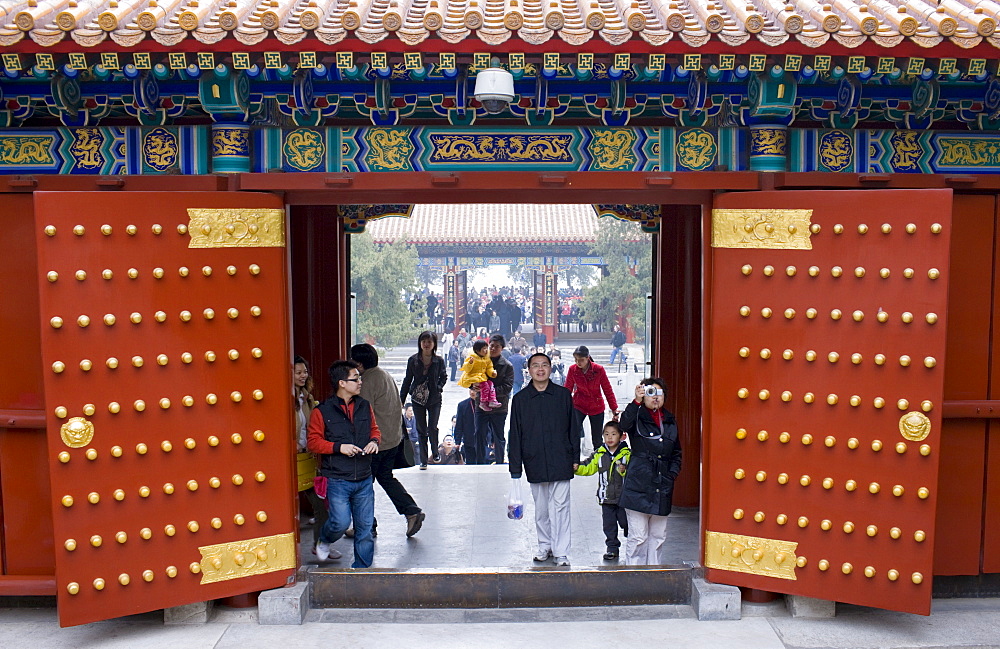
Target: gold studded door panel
[
  {"x": 165, "y": 344},
  {"x": 825, "y": 346}
]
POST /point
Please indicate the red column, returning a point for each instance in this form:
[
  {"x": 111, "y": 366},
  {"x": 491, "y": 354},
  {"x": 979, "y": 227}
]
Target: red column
[
  {"x": 319, "y": 285},
  {"x": 551, "y": 300},
  {"x": 677, "y": 336},
  {"x": 451, "y": 295}
]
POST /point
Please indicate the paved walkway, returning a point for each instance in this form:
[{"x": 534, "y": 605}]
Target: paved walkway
[
  {"x": 954, "y": 623},
  {"x": 623, "y": 377},
  {"x": 467, "y": 524}
]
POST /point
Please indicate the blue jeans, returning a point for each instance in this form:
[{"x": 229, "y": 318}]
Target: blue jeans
[
  {"x": 615, "y": 352},
  {"x": 346, "y": 500}
]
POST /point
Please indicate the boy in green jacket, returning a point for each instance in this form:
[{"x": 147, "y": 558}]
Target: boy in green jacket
[{"x": 608, "y": 462}]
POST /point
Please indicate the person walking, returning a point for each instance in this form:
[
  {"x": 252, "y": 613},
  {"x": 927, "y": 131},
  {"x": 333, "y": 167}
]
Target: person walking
[
  {"x": 586, "y": 380},
  {"x": 543, "y": 443},
  {"x": 379, "y": 389},
  {"x": 490, "y": 424},
  {"x": 655, "y": 461},
  {"x": 454, "y": 354},
  {"x": 425, "y": 378},
  {"x": 609, "y": 463},
  {"x": 617, "y": 342},
  {"x": 517, "y": 343},
  {"x": 343, "y": 431},
  {"x": 465, "y": 422},
  {"x": 410, "y": 429},
  {"x": 539, "y": 339},
  {"x": 519, "y": 363},
  {"x": 306, "y": 464}
]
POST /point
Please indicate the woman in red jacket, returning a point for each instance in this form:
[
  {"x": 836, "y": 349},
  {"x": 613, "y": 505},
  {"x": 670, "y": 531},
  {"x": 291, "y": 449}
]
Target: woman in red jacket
[{"x": 586, "y": 380}]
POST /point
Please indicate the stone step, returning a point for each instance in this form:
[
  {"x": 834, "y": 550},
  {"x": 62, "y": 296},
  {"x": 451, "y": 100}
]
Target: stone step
[{"x": 499, "y": 587}]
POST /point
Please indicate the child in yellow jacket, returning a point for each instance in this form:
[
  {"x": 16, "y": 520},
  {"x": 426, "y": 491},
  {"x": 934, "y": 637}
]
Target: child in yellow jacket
[{"x": 478, "y": 368}]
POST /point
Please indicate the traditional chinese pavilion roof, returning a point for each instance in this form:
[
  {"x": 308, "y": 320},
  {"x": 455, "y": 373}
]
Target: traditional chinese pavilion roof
[
  {"x": 490, "y": 224},
  {"x": 688, "y": 23}
]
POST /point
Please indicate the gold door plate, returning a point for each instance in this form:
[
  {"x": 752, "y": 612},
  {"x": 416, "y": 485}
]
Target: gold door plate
[
  {"x": 750, "y": 554},
  {"x": 76, "y": 432},
  {"x": 915, "y": 426},
  {"x": 236, "y": 228},
  {"x": 763, "y": 228},
  {"x": 247, "y": 558}
]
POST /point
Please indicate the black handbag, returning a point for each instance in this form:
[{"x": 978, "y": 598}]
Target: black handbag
[
  {"x": 404, "y": 453},
  {"x": 421, "y": 394}
]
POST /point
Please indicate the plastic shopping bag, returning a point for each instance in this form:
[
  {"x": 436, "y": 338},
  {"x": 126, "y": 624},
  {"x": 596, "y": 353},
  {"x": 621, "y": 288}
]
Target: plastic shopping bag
[{"x": 515, "y": 503}]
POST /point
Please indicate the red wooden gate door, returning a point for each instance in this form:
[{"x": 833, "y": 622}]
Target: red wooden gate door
[
  {"x": 826, "y": 343},
  {"x": 166, "y": 348}
]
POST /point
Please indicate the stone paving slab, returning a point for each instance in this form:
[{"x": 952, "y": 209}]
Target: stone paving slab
[
  {"x": 965, "y": 623},
  {"x": 687, "y": 633},
  {"x": 39, "y": 629},
  {"x": 467, "y": 525}
]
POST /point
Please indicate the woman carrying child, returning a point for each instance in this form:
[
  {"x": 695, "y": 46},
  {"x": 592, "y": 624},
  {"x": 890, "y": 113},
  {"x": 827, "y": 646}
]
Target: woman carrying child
[
  {"x": 478, "y": 368},
  {"x": 608, "y": 462},
  {"x": 654, "y": 464}
]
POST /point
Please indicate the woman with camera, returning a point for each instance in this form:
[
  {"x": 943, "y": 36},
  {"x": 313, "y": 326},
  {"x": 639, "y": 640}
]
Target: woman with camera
[{"x": 655, "y": 463}]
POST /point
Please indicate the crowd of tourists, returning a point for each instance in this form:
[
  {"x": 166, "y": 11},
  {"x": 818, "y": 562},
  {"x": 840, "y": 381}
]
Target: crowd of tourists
[
  {"x": 503, "y": 310},
  {"x": 368, "y": 427}
]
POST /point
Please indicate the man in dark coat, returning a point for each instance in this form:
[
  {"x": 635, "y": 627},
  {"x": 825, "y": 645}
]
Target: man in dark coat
[
  {"x": 490, "y": 424},
  {"x": 617, "y": 342},
  {"x": 465, "y": 421},
  {"x": 543, "y": 442}
]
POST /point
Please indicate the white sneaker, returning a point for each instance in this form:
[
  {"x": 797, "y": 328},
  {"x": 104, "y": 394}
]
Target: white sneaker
[
  {"x": 562, "y": 561},
  {"x": 323, "y": 551},
  {"x": 543, "y": 556},
  {"x": 335, "y": 554}
]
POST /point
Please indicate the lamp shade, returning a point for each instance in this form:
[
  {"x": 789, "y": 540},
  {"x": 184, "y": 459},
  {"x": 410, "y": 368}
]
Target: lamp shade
[{"x": 494, "y": 83}]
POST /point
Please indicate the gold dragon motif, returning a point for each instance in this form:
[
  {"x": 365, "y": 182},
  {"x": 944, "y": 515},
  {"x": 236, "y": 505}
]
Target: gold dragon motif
[
  {"x": 304, "y": 149},
  {"x": 86, "y": 148},
  {"x": 612, "y": 149},
  {"x": 26, "y": 149},
  {"x": 230, "y": 141},
  {"x": 390, "y": 149}
]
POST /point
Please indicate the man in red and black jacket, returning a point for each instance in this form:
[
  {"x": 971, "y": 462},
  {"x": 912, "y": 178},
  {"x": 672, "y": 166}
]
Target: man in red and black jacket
[{"x": 343, "y": 432}]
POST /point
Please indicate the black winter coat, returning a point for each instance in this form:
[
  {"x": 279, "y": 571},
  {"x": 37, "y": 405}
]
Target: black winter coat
[
  {"x": 541, "y": 434},
  {"x": 436, "y": 377},
  {"x": 655, "y": 461}
]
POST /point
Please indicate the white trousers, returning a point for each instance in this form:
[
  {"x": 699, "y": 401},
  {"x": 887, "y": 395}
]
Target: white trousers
[
  {"x": 646, "y": 534},
  {"x": 552, "y": 516}
]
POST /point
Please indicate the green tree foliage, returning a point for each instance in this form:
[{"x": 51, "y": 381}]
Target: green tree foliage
[
  {"x": 519, "y": 274},
  {"x": 625, "y": 249},
  {"x": 380, "y": 276},
  {"x": 429, "y": 275},
  {"x": 577, "y": 276}
]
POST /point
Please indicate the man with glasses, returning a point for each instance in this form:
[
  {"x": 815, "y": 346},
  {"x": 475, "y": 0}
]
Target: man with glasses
[
  {"x": 343, "y": 432},
  {"x": 542, "y": 439},
  {"x": 490, "y": 424}
]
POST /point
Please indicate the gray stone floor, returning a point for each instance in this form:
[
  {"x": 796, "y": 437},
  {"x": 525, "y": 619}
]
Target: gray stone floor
[
  {"x": 467, "y": 524},
  {"x": 962, "y": 623}
]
